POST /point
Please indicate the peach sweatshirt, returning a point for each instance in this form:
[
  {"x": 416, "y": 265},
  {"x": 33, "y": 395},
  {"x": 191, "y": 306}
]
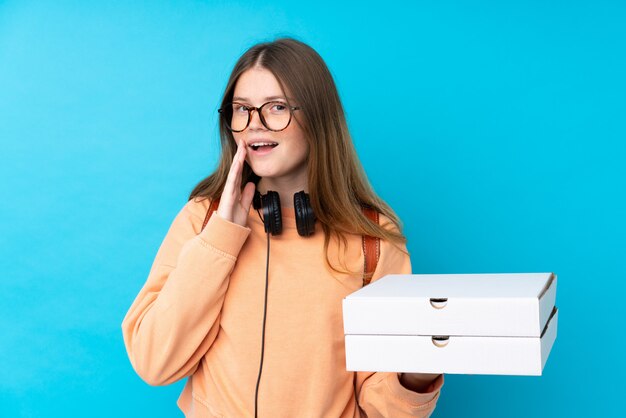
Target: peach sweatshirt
[{"x": 200, "y": 314}]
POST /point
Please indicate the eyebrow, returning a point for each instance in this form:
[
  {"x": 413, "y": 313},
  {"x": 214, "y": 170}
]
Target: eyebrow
[{"x": 267, "y": 99}]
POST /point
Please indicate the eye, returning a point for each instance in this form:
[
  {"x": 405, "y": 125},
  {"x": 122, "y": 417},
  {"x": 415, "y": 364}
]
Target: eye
[
  {"x": 239, "y": 108},
  {"x": 278, "y": 107}
]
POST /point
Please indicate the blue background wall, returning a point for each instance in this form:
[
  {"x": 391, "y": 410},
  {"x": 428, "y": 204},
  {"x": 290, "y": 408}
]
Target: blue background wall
[{"x": 495, "y": 130}]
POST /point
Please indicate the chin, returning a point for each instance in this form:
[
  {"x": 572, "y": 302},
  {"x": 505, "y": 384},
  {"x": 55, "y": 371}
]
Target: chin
[
  {"x": 264, "y": 172},
  {"x": 273, "y": 170}
]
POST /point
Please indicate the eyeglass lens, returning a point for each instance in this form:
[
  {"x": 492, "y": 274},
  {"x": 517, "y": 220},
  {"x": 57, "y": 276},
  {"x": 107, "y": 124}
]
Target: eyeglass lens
[{"x": 274, "y": 116}]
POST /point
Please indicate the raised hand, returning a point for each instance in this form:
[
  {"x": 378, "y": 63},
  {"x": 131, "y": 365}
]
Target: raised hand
[{"x": 235, "y": 203}]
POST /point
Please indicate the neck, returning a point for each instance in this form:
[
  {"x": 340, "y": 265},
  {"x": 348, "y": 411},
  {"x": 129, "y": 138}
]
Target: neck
[{"x": 285, "y": 188}]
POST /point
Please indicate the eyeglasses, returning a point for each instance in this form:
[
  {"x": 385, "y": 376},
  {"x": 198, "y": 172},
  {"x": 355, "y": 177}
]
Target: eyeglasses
[{"x": 275, "y": 116}]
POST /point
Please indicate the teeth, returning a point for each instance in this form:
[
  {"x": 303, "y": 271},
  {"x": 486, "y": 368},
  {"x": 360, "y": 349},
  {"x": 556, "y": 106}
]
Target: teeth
[{"x": 256, "y": 145}]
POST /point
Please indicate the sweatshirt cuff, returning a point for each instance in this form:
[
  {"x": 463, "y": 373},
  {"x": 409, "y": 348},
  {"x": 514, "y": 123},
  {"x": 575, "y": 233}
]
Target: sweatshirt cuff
[
  {"x": 225, "y": 236},
  {"x": 411, "y": 397}
]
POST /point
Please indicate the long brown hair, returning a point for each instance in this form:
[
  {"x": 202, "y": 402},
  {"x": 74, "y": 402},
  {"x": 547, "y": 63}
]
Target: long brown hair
[{"x": 338, "y": 186}]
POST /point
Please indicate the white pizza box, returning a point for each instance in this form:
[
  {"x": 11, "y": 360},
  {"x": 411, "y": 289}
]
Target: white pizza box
[
  {"x": 482, "y": 305},
  {"x": 451, "y": 354},
  {"x": 465, "y": 324}
]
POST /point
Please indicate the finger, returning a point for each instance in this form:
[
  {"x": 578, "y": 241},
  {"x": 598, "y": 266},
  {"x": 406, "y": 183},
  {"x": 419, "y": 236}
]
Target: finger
[
  {"x": 239, "y": 155},
  {"x": 230, "y": 183},
  {"x": 244, "y": 152},
  {"x": 239, "y": 169},
  {"x": 229, "y": 196},
  {"x": 247, "y": 195},
  {"x": 236, "y": 159},
  {"x": 232, "y": 173}
]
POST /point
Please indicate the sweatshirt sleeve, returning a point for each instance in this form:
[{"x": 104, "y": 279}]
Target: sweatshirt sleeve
[
  {"x": 175, "y": 317},
  {"x": 381, "y": 394}
]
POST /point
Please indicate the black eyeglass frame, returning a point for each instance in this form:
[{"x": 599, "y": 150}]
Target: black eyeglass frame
[{"x": 222, "y": 110}]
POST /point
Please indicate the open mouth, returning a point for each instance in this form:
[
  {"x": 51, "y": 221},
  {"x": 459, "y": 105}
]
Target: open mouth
[{"x": 256, "y": 146}]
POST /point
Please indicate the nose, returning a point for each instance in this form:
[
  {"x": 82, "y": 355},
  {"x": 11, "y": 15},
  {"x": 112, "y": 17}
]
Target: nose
[{"x": 255, "y": 120}]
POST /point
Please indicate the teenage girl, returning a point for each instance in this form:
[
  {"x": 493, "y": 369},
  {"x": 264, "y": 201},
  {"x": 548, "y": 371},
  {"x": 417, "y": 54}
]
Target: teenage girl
[{"x": 256, "y": 322}]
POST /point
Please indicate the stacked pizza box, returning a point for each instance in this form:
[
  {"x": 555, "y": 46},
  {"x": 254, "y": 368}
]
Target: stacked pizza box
[{"x": 452, "y": 323}]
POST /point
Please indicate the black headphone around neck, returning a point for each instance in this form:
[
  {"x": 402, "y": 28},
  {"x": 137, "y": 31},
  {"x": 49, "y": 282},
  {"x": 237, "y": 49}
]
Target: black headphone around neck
[
  {"x": 273, "y": 222},
  {"x": 272, "y": 218}
]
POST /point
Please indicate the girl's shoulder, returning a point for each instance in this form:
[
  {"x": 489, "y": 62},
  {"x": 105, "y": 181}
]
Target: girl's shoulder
[
  {"x": 388, "y": 223},
  {"x": 196, "y": 209},
  {"x": 199, "y": 204}
]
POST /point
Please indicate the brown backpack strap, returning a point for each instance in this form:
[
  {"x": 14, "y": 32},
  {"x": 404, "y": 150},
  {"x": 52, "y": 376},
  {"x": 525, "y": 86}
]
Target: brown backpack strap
[
  {"x": 371, "y": 248},
  {"x": 371, "y": 245},
  {"x": 212, "y": 208}
]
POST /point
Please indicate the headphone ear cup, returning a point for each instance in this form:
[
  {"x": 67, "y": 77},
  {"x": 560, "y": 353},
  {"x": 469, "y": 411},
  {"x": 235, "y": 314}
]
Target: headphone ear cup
[
  {"x": 305, "y": 218},
  {"x": 256, "y": 200},
  {"x": 271, "y": 213}
]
